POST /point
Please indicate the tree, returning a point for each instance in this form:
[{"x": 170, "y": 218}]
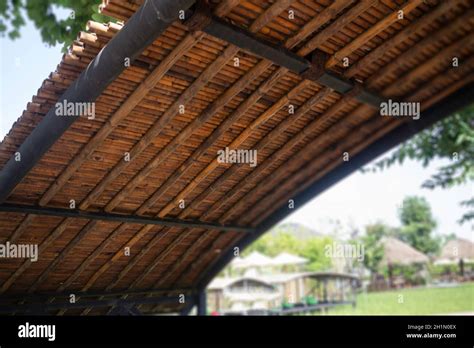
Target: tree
[
  {"x": 417, "y": 225},
  {"x": 373, "y": 249},
  {"x": 452, "y": 139},
  {"x": 272, "y": 245},
  {"x": 42, "y": 13},
  {"x": 313, "y": 250},
  {"x": 310, "y": 248}
]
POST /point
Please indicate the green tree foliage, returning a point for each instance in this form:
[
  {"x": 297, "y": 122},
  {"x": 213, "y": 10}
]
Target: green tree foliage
[
  {"x": 272, "y": 245},
  {"x": 42, "y": 13},
  {"x": 451, "y": 139},
  {"x": 417, "y": 225},
  {"x": 311, "y": 248},
  {"x": 372, "y": 246}
]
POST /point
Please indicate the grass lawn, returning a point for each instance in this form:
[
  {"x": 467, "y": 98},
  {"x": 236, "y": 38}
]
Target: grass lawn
[{"x": 415, "y": 301}]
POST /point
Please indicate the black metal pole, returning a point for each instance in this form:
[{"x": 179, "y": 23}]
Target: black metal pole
[{"x": 201, "y": 302}]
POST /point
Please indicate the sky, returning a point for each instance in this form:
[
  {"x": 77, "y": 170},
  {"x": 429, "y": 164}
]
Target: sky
[{"x": 356, "y": 201}]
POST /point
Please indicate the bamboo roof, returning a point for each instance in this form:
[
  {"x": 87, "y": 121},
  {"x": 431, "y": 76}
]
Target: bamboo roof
[{"x": 184, "y": 98}]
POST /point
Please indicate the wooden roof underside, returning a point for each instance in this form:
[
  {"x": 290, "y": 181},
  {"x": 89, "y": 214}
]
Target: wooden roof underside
[{"x": 173, "y": 155}]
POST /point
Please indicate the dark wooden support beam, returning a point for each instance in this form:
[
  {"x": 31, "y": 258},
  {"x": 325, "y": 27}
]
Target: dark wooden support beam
[
  {"x": 42, "y": 296},
  {"x": 311, "y": 70},
  {"x": 249, "y": 42},
  {"x": 129, "y": 309},
  {"x": 133, "y": 219},
  {"x": 105, "y": 302}
]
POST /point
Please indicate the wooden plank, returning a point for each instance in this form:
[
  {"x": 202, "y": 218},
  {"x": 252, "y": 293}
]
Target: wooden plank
[
  {"x": 328, "y": 14},
  {"x": 374, "y": 30},
  {"x": 233, "y": 145},
  {"x": 444, "y": 56},
  {"x": 150, "y": 136},
  {"x": 420, "y": 47},
  {"x": 269, "y": 14},
  {"x": 410, "y": 30},
  {"x": 225, "y": 7},
  {"x": 336, "y": 26}
]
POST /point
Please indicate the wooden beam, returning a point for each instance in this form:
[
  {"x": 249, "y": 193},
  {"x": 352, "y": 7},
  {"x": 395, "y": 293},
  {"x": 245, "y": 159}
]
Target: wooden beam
[
  {"x": 162, "y": 155},
  {"x": 287, "y": 59},
  {"x": 336, "y": 26},
  {"x": 261, "y": 119},
  {"x": 248, "y": 42},
  {"x": 149, "y": 137},
  {"x": 100, "y": 216},
  {"x": 104, "y": 302},
  {"x": 225, "y": 7},
  {"x": 374, "y": 30},
  {"x": 445, "y": 56},
  {"x": 411, "y": 29},
  {"x": 39, "y": 297},
  {"x": 417, "y": 50},
  {"x": 123, "y": 111},
  {"x": 269, "y": 14}
]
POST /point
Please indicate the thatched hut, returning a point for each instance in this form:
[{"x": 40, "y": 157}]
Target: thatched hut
[
  {"x": 458, "y": 250},
  {"x": 399, "y": 253}
]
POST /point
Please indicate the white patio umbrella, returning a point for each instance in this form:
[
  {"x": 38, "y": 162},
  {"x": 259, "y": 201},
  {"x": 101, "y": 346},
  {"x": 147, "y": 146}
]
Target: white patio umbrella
[
  {"x": 255, "y": 259},
  {"x": 285, "y": 258}
]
